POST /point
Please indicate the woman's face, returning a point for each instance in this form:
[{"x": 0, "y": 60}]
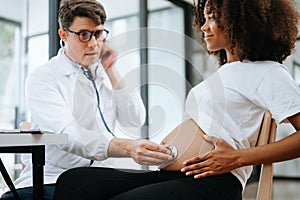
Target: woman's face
[{"x": 214, "y": 36}]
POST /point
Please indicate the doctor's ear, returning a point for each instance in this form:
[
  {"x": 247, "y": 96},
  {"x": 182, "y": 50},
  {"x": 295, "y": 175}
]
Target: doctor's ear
[{"x": 62, "y": 34}]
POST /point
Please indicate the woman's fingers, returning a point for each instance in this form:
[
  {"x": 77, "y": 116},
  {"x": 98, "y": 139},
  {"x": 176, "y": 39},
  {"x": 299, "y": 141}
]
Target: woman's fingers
[{"x": 220, "y": 160}]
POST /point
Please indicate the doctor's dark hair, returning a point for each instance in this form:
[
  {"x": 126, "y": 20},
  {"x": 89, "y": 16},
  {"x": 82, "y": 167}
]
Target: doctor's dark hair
[
  {"x": 80, "y": 8},
  {"x": 261, "y": 29}
]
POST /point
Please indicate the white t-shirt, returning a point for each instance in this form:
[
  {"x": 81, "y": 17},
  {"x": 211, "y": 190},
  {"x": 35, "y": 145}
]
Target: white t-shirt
[{"x": 231, "y": 103}]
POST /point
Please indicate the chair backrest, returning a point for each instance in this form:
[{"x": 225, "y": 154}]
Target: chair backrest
[{"x": 267, "y": 135}]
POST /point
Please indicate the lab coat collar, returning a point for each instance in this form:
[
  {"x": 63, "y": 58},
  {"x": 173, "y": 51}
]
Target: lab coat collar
[{"x": 66, "y": 70}]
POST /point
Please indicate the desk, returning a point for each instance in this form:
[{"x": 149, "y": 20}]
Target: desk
[{"x": 34, "y": 144}]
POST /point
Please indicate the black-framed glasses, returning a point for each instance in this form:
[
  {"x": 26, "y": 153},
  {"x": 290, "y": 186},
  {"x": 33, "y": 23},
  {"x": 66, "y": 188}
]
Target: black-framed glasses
[{"x": 85, "y": 36}]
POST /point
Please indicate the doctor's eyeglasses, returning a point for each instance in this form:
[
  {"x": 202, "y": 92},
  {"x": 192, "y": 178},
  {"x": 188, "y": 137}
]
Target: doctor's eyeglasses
[{"x": 85, "y": 36}]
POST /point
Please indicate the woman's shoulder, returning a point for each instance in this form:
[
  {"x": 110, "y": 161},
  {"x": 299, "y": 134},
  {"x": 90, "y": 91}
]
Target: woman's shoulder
[
  {"x": 251, "y": 68},
  {"x": 265, "y": 64}
]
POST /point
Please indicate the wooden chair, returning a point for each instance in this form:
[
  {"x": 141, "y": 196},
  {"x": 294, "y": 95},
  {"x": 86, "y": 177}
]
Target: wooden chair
[{"x": 267, "y": 135}]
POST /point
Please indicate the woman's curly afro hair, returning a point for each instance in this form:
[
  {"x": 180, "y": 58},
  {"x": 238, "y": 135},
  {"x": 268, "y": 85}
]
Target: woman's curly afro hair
[{"x": 261, "y": 29}]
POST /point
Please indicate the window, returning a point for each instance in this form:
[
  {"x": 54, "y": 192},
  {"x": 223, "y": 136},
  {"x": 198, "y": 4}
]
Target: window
[
  {"x": 166, "y": 68},
  {"x": 24, "y": 45},
  {"x": 163, "y": 76},
  {"x": 296, "y": 62},
  {"x": 10, "y": 81}
]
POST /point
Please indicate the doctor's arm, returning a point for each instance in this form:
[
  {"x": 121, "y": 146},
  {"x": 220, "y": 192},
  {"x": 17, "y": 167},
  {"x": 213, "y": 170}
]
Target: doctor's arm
[
  {"x": 108, "y": 58},
  {"x": 44, "y": 96},
  {"x": 130, "y": 110},
  {"x": 224, "y": 158}
]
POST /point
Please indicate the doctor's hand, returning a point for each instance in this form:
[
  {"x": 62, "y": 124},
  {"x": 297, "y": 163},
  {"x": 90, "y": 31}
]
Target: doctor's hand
[
  {"x": 143, "y": 151},
  {"x": 108, "y": 55},
  {"x": 146, "y": 152},
  {"x": 222, "y": 159}
]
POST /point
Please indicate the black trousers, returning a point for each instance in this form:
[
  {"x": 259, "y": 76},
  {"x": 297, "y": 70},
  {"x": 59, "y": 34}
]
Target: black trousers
[{"x": 91, "y": 183}]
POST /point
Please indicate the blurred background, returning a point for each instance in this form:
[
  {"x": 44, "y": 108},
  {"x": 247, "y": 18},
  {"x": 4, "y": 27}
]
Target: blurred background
[{"x": 159, "y": 52}]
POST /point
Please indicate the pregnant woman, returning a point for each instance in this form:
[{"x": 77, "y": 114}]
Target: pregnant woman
[{"x": 250, "y": 39}]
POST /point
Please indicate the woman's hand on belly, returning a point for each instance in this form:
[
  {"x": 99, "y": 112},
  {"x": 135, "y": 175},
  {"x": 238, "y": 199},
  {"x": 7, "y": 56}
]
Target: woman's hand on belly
[{"x": 221, "y": 160}]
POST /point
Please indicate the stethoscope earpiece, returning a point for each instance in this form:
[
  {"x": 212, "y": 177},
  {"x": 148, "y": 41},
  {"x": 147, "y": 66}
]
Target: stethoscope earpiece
[{"x": 61, "y": 43}]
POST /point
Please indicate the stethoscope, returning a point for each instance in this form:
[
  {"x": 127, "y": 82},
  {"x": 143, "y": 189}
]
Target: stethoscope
[{"x": 88, "y": 74}]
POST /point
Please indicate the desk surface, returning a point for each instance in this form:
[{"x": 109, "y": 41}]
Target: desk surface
[{"x": 27, "y": 139}]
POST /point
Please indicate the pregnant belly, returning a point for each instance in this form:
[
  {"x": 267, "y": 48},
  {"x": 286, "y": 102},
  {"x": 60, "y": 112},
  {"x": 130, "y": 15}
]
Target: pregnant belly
[{"x": 186, "y": 142}]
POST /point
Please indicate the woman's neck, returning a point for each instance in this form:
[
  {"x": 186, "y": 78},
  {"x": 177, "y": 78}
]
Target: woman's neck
[{"x": 232, "y": 56}]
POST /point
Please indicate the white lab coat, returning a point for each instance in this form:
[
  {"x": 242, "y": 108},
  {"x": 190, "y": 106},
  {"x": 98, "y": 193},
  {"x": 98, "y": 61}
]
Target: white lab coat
[{"x": 62, "y": 100}]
